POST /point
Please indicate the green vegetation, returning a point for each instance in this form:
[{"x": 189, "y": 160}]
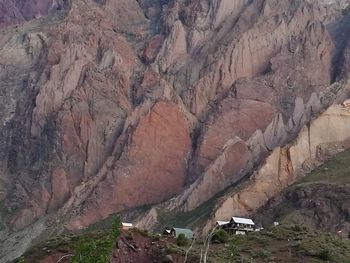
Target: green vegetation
[
  {"x": 193, "y": 218},
  {"x": 336, "y": 170},
  {"x": 144, "y": 232},
  {"x": 285, "y": 243},
  {"x": 221, "y": 236},
  {"x": 325, "y": 186},
  {"x": 181, "y": 240},
  {"x": 88, "y": 247},
  {"x": 96, "y": 250},
  {"x": 187, "y": 219}
]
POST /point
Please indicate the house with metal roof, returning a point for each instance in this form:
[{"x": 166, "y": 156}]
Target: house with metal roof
[
  {"x": 241, "y": 226},
  {"x": 222, "y": 223},
  {"x": 175, "y": 232},
  {"x": 127, "y": 226},
  {"x": 242, "y": 221}
]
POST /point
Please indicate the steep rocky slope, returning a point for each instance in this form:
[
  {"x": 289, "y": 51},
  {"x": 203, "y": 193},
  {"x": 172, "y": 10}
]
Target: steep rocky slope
[
  {"x": 319, "y": 200},
  {"x": 14, "y": 12},
  {"x": 318, "y": 141},
  {"x": 104, "y": 113},
  {"x": 322, "y": 139}
]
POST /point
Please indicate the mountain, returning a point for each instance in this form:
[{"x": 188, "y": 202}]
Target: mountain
[
  {"x": 155, "y": 108},
  {"x": 317, "y": 203},
  {"x": 319, "y": 200},
  {"x": 14, "y": 12}
]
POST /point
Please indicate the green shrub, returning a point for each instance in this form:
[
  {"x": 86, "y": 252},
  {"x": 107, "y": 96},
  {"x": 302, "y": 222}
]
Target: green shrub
[
  {"x": 156, "y": 238},
  {"x": 181, "y": 240},
  {"x": 144, "y": 233},
  {"x": 325, "y": 254},
  {"x": 96, "y": 250},
  {"x": 129, "y": 236},
  {"x": 298, "y": 228},
  {"x": 262, "y": 254},
  {"x": 221, "y": 236}
]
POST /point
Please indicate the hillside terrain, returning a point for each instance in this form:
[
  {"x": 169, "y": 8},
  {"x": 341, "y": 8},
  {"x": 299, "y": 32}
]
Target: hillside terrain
[
  {"x": 163, "y": 109},
  {"x": 284, "y": 243},
  {"x": 311, "y": 212},
  {"x": 320, "y": 200}
]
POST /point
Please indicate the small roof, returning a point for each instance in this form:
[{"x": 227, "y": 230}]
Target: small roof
[
  {"x": 187, "y": 232},
  {"x": 127, "y": 224},
  {"x": 222, "y": 223},
  {"x": 245, "y": 221},
  {"x": 346, "y": 102}
]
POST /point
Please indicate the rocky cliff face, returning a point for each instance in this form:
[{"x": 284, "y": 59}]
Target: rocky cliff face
[
  {"x": 284, "y": 166},
  {"x": 320, "y": 199},
  {"x": 14, "y": 12},
  {"x": 102, "y": 113}
]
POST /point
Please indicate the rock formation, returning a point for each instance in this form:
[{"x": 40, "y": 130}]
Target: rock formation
[
  {"x": 13, "y": 12},
  {"x": 166, "y": 102},
  {"x": 286, "y": 164}
]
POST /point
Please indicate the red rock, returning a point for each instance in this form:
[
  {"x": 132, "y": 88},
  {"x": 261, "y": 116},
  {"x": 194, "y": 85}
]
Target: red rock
[
  {"x": 150, "y": 51},
  {"x": 234, "y": 118},
  {"x": 150, "y": 171},
  {"x": 77, "y": 137}
]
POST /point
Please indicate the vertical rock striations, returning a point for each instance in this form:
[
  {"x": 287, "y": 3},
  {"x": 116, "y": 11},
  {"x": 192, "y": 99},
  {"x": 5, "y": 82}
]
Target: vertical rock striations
[{"x": 119, "y": 104}]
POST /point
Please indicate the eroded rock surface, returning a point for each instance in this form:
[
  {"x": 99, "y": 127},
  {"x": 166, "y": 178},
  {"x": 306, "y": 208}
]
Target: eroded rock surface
[
  {"x": 14, "y": 12},
  {"x": 118, "y": 104},
  {"x": 285, "y": 165}
]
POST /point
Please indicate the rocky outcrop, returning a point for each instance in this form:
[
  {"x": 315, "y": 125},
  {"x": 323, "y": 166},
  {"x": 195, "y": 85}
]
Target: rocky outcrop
[
  {"x": 238, "y": 159},
  {"x": 120, "y": 104},
  {"x": 286, "y": 164},
  {"x": 13, "y": 12},
  {"x": 174, "y": 48},
  {"x": 130, "y": 182},
  {"x": 238, "y": 57},
  {"x": 318, "y": 200}
]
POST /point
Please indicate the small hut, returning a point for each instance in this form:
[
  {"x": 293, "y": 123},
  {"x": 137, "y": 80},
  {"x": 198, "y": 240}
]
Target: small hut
[
  {"x": 222, "y": 223},
  {"x": 167, "y": 232},
  {"x": 175, "y": 232},
  {"x": 127, "y": 226}
]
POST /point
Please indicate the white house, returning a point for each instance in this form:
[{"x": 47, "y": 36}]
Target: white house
[
  {"x": 241, "y": 226},
  {"x": 127, "y": 226}
]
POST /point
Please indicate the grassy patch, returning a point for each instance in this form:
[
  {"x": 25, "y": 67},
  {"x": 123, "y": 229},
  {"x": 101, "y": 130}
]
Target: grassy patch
[
  {"x": 63, "y": 244},
  {"x": 92, "y": 247},
  {"x": 292, "y": 242},
  {"x": 221, "y": 236},
  {"x": 284, "y": 243},
  {"x": 336, "y": 170},
  {"x": 98, "y": 250},
  {"x": 187, "y": 219}
]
